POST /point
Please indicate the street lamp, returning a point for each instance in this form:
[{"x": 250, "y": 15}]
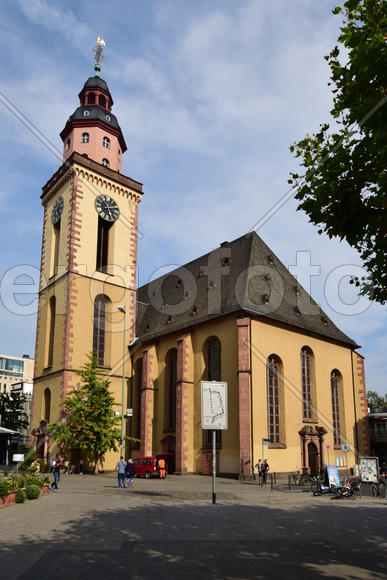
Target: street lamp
[{"x": 123, "y": 310}]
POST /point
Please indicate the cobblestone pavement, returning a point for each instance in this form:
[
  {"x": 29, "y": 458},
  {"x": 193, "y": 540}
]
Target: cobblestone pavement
[{"x": 170, "y": 529}]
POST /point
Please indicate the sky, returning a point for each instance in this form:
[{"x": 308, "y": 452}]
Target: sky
[{"x": 209, "y": 96}]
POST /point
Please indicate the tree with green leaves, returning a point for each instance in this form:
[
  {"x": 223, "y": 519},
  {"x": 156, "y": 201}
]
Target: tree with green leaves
[
  {"x": 376, "y": 401},
  {"x": 89, "y": 423},
  {"x": 343, "y": 184},
  {"x": 12, "y": 411}
]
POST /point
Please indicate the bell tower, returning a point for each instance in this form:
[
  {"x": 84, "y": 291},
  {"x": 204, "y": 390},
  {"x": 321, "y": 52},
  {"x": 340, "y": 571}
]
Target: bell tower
[{"x": 88, "y": 260}]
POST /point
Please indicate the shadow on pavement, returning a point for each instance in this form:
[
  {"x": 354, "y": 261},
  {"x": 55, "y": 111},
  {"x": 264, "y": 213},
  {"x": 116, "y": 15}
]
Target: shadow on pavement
[{"x": 184, "y": 540}]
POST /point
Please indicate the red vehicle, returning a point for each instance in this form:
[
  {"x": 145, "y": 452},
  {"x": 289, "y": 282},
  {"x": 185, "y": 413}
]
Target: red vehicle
[{"x": 147, "y": 466}]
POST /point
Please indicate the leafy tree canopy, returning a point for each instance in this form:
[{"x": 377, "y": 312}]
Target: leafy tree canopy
[
  {"x": 12, "y": 414},
  {"x": 376, "y": 401},
  {"x": 89, "y": 423},
  {"x": 343, "y": 187}
]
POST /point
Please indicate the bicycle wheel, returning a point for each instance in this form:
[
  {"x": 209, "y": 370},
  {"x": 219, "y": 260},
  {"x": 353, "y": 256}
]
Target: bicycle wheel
[{"x": 374, "y": 491}]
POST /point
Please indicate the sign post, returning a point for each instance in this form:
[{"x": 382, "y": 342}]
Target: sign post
[
  {"x": 214, "y": 417},
  {"x": 345, "y": 447},
  {"x": 328, "y": 448}
]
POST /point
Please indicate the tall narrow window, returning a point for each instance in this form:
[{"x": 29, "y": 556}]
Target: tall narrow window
[
  {"x": 99, "y": 329},
  {"x": 306, "y": 357},
  {"x": 138, "y": 396},
  {"x": 273, "y": 399},
  {"x": 171, "y": 370},
  {"x": 51, "y": 326},
  {"x": 55, "y": 247},
  {"x": 335, "y": 382},
  {"x": 102, "y": 100},
  {"x": 103, "y": 244},
  {"x": 213, "y": 359},
  {"x": 91, "y": 99},
  {"x": 85, "y": 137},
  {"x": 46, "y": 405},
  {"x": 106, "y": 142},
  {"x": 212, "y": 355},
  {"x": 105, "y": 162}
]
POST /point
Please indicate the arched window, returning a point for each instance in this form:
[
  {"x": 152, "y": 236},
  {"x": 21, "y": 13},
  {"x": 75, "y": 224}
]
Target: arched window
[
  {"x": 99, "y": 329},
  {"x": 105, "y": 162},
  {"x": 85, "y": 137},
  {"x": 306, "y": 379},
  {"x": 212, "y": 356},
  {"x": 91, "y": 99},
  {"x": 51, "y": 330},
  {"x": 102, "y": 100},
  {"x": 335, "y": 395},
  {"x": 273, "y": 398},
  {"x": 138, "y": 383},
  {"x": 46, "y": 405},
  {"x": 106, "y": 142},
  {"x": 171, "y": 374}
]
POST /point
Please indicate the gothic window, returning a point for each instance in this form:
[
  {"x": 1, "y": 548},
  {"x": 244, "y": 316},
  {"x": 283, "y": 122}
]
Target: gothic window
[
  {"x": 335, "y": 385},
  {"x": 138, "y": 374},
  {"x": 102, "y": 100},
  {"x": 306, "y": 378},
  {"x": 91, "y": 99},
  {"x": 51, "y": 330},
  {"x": 55, "y": 245},
  {"x": 171, "y": 373},
  {"x": 46, "y": 405},
  {"x": 105, "y": 162},
  {"x": 212, "y": 355},
  {"x": 213, "y": 359},
  {"x": 99, "y": 329},
  {"x": 273, "y": 398},
  {"x": 106, "y": 142},
  {"x": 85, "y": 137},
  {"x": 103, "y": 244}
]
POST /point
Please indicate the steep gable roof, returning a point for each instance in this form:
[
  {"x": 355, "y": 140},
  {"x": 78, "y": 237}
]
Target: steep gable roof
[{"x": 242, "y": 275}]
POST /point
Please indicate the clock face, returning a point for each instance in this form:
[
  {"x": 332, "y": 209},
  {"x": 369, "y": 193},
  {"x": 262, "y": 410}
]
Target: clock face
[
  {"x": 57, "y": 210},
  {"x": 107, "y": 208}
]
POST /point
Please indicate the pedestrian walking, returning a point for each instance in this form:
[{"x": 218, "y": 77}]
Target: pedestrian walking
[
  {"x": 56, "y": 467},
  {"x": 162, "y": 468},
  {"x": 81, "y": 466},
  {"x": 259, "y": 468},
  {"x": 120, "y": 467},
  {"x": 264, "y": 468},
  {"x": 130, "y": 471}
]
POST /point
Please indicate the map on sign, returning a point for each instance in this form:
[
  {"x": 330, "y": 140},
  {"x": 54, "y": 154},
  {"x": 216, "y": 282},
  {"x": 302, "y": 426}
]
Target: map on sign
[{"x": 214, "y": 405}]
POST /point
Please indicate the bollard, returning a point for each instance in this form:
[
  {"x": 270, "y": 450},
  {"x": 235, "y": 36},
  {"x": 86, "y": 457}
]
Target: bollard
[
  {"x": 289, "y": 482},
  {"x": 275, "y": 478},
  {"x": 271, "y": 482}
]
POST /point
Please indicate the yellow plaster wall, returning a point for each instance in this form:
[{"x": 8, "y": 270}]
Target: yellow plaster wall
[{"x": 287, "y": 344}]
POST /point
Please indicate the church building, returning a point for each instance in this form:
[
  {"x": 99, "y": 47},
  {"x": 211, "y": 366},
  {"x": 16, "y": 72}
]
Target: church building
[{"x": 296, "y": 385}]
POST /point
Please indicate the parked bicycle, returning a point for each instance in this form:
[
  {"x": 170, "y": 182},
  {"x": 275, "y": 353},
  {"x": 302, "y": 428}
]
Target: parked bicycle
[{"x": 378, "y": 490}]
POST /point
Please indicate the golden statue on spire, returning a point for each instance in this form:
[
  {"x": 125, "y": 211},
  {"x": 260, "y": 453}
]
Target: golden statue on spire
[{"x": 98, "y": 54}]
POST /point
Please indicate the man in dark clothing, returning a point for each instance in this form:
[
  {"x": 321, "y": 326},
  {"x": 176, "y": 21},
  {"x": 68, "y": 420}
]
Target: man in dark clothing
[{"x": 264, "y": 468}]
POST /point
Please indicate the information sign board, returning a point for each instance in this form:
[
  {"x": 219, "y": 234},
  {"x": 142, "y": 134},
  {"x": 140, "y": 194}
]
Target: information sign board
[
  {"x": 369, "y": 469},
  {"x": 214, "y": 405}
]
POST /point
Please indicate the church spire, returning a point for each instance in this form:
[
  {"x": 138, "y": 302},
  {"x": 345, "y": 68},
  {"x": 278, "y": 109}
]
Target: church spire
[{"x": 93, "y": 130}]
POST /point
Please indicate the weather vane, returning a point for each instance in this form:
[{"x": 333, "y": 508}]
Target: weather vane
[{"x": 98, "y": 54}]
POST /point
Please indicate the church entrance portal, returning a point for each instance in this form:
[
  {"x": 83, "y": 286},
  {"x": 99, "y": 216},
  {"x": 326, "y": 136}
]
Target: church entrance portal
[{"x": 313, "y": 459}]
